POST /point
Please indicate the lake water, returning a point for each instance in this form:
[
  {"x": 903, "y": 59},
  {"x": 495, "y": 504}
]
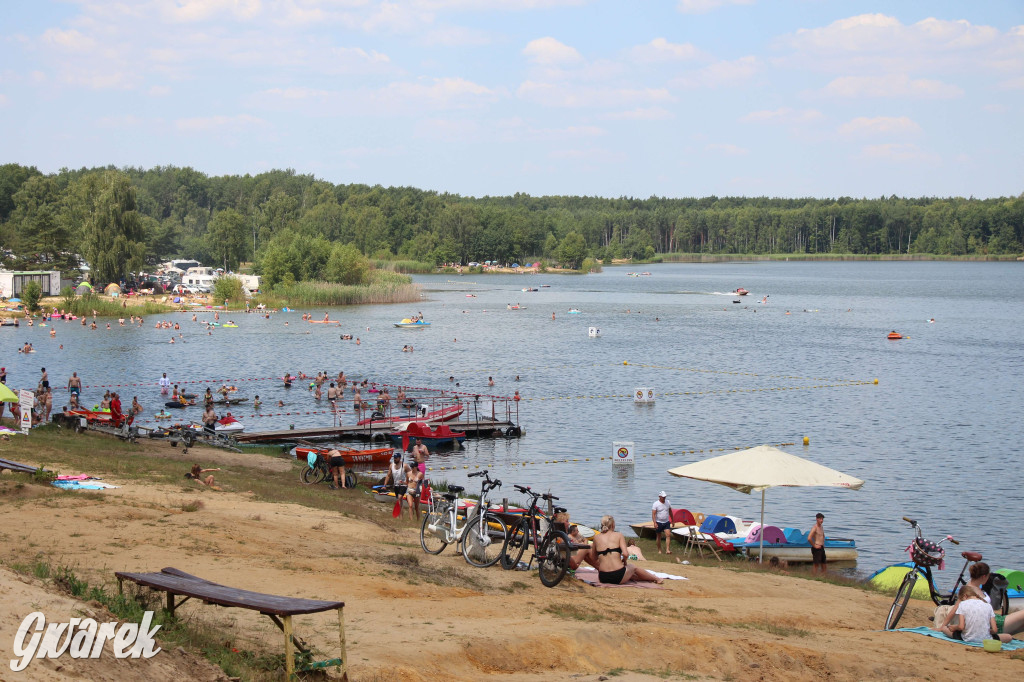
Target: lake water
[{"x": 936, "y": 439}]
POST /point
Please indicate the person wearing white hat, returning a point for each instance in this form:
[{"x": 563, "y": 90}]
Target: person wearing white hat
[{"x": 661, "y": 516}]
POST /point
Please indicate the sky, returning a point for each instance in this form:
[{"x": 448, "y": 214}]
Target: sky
[{"x": 613, "y": 98}]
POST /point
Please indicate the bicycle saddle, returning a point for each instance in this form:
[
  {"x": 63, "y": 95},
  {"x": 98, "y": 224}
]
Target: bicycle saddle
[
  {"x": 971, "y": 556},
  {"x": 449, "y": 497},
  {"x": 559, "y": 510},
  {"x": 456, "y": 489}
]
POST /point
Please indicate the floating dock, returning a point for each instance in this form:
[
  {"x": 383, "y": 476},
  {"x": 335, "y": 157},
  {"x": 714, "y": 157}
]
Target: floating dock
[{"x": 483, "y": 428}]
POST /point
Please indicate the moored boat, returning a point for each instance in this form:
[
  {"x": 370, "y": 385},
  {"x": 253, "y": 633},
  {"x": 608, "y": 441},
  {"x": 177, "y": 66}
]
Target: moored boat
[
  {"x": 228, "y": 424},
  {"x": 791, "y": 545},
  {"x": 439, "y": 436},
  {"x": 443, "y": 414},
  {"x": 350, "y": 455}
]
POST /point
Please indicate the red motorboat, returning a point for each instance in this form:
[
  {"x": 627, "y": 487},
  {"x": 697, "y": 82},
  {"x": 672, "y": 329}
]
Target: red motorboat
[
  {"x": 741, "y": 292},
  {"x": 424, "y": 414},
  {"x": 351, "y": 456}
]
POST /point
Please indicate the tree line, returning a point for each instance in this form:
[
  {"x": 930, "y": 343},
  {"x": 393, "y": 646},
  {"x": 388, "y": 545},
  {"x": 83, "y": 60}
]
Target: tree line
[{"x": 297, "y": 227}]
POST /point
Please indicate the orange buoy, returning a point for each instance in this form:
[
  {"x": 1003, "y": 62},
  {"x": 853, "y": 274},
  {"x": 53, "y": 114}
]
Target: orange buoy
[{"x": 894, "y": 336}]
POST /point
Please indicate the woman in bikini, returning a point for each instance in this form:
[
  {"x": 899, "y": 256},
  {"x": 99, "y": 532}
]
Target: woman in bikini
[{"x": 609, "y": 548}]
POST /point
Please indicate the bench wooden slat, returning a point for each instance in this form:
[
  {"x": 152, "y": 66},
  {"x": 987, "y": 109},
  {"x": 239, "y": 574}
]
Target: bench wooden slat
[
  {"x": 16, "y": 466},
  {"x": 181, "y": 583}
]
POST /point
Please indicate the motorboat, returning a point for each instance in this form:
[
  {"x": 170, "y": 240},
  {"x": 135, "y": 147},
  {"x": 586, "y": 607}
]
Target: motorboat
[
  {"x": 574, "y": 311},
  {"x": 228, "y": 424},
  {"x": 741, "y": 292},
  {"x": 894, "y": 336}
]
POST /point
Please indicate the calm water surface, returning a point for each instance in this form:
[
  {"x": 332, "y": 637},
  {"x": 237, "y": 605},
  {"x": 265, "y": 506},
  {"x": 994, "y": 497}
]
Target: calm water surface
[{"x": 937, "y": 438}]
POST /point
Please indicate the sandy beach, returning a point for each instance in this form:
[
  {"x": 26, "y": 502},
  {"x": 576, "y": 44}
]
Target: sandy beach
[{"x": 410, "y": 615}]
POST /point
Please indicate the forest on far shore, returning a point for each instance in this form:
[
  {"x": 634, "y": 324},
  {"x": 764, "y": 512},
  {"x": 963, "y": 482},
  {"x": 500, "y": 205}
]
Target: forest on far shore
[{"x": 296, "y": 227}]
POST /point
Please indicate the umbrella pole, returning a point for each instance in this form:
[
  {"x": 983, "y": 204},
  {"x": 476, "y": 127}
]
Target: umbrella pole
[{"x": 760, "y": 557}]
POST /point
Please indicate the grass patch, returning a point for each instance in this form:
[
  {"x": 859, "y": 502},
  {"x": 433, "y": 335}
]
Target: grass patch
[
  {"x": 772, "y": 628},
  {"x": 192, "y": 506},
  {"x": 414, "y": 267},
  {"x": 586, "y": 613}
]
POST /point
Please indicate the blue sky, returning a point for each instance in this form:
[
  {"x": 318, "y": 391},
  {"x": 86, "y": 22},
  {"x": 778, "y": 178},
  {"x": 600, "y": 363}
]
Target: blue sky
[{"x": 672, "y": 98}]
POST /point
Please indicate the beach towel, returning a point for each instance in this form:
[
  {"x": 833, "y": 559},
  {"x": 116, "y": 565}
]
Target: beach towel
[
  {"x": 928, "y": 632},
  {"x": 589, "y": 576},
  {"x": 79, "y": 477},
  {"x": 83, "y": 485}
]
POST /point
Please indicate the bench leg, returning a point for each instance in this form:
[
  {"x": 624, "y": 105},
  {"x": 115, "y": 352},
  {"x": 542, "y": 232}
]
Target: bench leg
[
  {"x": 341, "y": 637},
  {"x": 289, "y": 655}
]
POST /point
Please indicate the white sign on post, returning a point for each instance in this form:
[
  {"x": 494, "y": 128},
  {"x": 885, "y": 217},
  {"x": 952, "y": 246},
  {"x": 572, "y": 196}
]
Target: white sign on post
[
  {"x": 26, "y": 399},
  {"x": 622, "y": 452}
]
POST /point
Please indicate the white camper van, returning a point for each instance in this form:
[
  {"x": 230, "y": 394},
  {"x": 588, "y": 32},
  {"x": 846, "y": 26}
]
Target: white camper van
[{"x": 201, "y": 278}]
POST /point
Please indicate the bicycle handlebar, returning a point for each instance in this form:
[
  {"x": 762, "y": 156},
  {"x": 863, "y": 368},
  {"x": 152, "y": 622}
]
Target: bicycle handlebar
[
  {"x": 952, "y": 539},
  {"x": 912, "y": 522},
  {"x": 478, "y": 473},
  {"x": 522, "y": 489},
  {"x": 548, "y": 496}
]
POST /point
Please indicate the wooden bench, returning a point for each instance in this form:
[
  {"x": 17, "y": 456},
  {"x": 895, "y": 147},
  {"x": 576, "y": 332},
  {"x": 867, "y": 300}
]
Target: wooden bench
[{"x": 279, "y": 609}]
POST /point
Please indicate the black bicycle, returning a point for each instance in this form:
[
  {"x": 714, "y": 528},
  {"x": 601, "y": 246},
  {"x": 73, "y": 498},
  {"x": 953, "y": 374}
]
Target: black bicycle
[
  {"x": 927, "y": 554},
  {"x": 551, "y": 545}
]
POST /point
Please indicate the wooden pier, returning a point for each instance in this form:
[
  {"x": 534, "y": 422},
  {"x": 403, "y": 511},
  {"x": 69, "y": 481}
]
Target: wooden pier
[{"x": 483, "y": 428}]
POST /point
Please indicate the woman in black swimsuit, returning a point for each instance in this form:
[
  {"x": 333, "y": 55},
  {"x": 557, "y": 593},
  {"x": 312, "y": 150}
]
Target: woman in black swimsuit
[{"x": 609, "y": 550}]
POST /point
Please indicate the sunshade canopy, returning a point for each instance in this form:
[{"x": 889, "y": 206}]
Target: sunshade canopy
[
  {"x": 7, "y": 395},
  {"x": 765, "y": 467}
]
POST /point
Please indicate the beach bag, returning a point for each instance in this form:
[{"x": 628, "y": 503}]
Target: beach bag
[{"x": 926, "y": 552}]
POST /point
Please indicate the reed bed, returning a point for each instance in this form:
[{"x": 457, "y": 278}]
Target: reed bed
[
  {"x": 104, "y": 306},
  {"x": 413, "y": 267},
  {"x": 384, "y": 287}
]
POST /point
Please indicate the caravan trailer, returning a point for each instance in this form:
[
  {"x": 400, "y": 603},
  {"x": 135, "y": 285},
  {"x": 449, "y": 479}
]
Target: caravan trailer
[{"x": 202, "y": 278}]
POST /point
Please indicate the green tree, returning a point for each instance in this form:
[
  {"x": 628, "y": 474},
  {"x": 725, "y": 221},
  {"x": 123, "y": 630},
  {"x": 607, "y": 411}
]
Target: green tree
[
  {"x": 347, "y": 265},
  {"x": 115, "y": 243},
  {"x": 228, "y": 288},
  {"x": 30, "y": 295},
  {"x": 572, "y": 250},
  {"x": 228, "y": 237}
]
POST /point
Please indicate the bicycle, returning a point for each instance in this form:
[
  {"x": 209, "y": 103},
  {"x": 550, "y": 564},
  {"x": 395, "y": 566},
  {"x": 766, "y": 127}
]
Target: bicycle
[
  {"x": 317, "y": 470},
  {"x": 926, "y": 554},
  {"x": 485, "y": 532},
  {"x": 551, "y": 546},
  {"x": 440, "y": 526}
]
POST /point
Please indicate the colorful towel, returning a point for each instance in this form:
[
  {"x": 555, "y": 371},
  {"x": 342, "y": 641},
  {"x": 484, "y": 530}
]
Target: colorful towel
[
  {"x": 83, "y": 485},
  {"x": 589, "y": 576},
  {"x": 928, "y": 632},
  {"x": 79, "y": 477}
]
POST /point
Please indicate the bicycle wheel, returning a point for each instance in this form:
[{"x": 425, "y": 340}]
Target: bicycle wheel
[
  {"x": 516, "y": 539},
  {"x": 554, "y": 559},
  {"x": 434, "y": 532},
  {"x": 482, "y": 543},
  {"x": 311, "y": 475},
  {"x": 899, "y": 604}
]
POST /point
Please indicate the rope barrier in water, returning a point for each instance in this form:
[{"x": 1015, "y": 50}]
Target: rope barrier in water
[{"x": 569, "y": 460}]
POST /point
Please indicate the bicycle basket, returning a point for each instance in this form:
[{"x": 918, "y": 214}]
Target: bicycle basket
[{"x": 926, "y": 552}]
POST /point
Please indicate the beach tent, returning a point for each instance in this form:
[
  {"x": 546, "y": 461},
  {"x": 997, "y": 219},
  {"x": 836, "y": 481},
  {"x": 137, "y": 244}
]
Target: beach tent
[
  {"x": 112, "y": 289},
  {"x": 765, "y": 467},
  {"x": 83, "y": 289}
]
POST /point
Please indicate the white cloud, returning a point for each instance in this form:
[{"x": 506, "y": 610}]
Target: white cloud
[
  {"x": 1012, "y": 84},
  {"x": 560, "y": 95},
  {"x": 436, "y": 93},
  {"x": 891, "y": 85},
  {"x": 549, "y": 51},
  {"x": 727, "y": 149},
  {"x": 205, "y": 124},
  {"x": 705, "y": 6},
  {"x": 879, "y": 43},
  {"x": 880, "y": 126},
  {"x": 783, "y": 115},
  {"x": 70, "y": 40},
  {"x": 661, "y": 50},
  {"x": 191, "y": 11},
  {"x": 721, "y": 74},
  {"x": 640, "y": 114},
  {"x": 899, "y": 152},
  {"x": 125, "y": 121}
]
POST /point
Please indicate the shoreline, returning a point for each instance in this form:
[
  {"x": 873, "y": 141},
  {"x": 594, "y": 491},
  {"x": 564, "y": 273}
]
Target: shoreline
[{"x": 408, "y": 613}]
